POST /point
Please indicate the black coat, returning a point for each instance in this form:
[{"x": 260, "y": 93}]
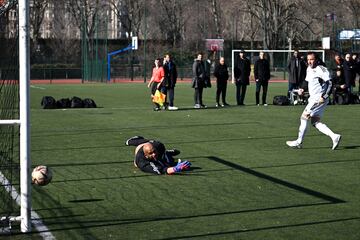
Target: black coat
[
  {"x": 170, "y": 74},
  {"x": 198, "y": 69},
  {"x": 207, "y": 79},
  {"x": 242, "y": 71},
  {"x": 349, "y": 72},
  {"x": 297, "y": 72},
  {"x": 262, "y": 70},
  {"x": 222, "y": 74}
]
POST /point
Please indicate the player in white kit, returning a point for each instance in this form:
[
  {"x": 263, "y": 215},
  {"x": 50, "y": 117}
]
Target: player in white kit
[{"x": 319, "y": 85}]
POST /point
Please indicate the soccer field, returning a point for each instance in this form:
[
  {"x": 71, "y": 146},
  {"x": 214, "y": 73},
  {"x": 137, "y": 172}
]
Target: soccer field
[{"x": 245, "y": 183}]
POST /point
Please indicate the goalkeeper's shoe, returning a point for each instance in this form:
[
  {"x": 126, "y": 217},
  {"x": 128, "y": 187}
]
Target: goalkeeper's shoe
[
  {"x": 173, "y": 152},
  {"x": 132, "y": 140},
  {"x": 293, "y": 144}
]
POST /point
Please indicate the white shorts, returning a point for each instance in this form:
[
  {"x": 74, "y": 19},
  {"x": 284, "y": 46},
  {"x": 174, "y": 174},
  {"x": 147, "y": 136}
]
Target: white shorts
[{"x": 316, "y": 109}]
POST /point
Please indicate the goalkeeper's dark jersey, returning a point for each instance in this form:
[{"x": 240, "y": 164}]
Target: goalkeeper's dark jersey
[{"x": 159, "y": 166}]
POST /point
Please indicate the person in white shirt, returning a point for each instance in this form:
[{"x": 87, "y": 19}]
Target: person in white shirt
[{"x": 319, "y": 87}]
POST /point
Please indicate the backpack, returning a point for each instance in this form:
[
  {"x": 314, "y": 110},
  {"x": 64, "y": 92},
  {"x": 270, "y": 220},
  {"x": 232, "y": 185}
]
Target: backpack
[
  {"x": 63, "y": 103},
  {"x": 48, "y": 102},
  {"x": 76, "y": 102},
  {"x": 89, "y": 103},
  {"x": 281, "y": 101}
]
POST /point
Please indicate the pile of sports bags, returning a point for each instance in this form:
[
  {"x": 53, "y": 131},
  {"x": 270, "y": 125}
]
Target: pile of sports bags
[{"x": 48, "y": 102}]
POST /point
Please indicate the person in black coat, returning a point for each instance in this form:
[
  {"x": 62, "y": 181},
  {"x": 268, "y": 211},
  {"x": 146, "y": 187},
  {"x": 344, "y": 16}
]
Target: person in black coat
[
  {"x": 297, "y": 71},
  {"x": 242, "y": 74},
  {"x": 349, "y": 71},
  {"x": 198, "y": 81},
  {"x": 262, "y": 77},
  {"x": 222, "y": 75},
  {"x": 170, "y": 80}
]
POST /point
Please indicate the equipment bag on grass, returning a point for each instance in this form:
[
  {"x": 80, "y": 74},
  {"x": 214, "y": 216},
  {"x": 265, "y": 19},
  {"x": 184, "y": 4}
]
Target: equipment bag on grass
[
  {"x": 76, "y": 102},
  {"x": 48, "y": 102},
  {"x": 281, "y": 101}
]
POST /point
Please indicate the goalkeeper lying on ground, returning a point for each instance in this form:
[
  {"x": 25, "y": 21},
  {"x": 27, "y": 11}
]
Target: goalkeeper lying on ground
[{"x": 152, "y": 157}]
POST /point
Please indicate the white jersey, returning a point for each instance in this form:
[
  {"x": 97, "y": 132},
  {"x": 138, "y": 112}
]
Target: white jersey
[{"x": 319, "y": 83}]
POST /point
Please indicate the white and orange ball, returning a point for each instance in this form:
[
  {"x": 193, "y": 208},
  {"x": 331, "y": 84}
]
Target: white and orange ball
[{"x": 41, "y": 175}]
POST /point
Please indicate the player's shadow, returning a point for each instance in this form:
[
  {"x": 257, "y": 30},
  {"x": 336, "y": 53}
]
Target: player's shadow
[{"x": 351, "y": 147}]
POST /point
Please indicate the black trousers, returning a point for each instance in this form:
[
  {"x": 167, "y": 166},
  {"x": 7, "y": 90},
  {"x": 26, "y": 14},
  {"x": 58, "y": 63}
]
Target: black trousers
[
  {"x": 264, "y": 86},
  {"x": 170, "y": 96},
  {"x": 198, "y": 95},
  {"x": 221, "y": 90},
  {"x": 240, "y": 93}
]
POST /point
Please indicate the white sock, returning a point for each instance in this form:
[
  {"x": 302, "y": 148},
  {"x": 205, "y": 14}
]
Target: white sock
[
  {"x": 302, "y": 130},
  {"x": 324, "y": 129}
]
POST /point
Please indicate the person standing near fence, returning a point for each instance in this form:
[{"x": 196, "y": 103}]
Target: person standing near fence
[
  {"x": 157, "y": 78},
  {"x": 170, "y": 80},
  {"x": 297, "y": 71},
  {"x": 198, "y": 81},
  {"x": 242, "y": 76},
  {"x": 222, "y": 75},
  {"x": 262, "y": 77}
]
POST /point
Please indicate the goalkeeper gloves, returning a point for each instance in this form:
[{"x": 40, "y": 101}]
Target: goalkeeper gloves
[{"x": 182, "y": 166}]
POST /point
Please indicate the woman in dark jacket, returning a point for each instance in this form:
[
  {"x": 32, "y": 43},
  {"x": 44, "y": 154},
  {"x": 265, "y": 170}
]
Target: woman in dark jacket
[{"x": 222, "y": 75}]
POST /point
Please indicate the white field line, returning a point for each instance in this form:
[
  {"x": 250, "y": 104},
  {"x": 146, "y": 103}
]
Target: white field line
[
  {"x": 36, "y": 220},
  {"x": 42, "y": 88}
]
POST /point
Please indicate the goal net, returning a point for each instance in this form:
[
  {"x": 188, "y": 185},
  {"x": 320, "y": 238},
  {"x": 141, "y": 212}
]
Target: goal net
[
  {"x": 278, "y": 61},
  {"x": 9, "y": 110},
  {"x": 15, "y": 192}
]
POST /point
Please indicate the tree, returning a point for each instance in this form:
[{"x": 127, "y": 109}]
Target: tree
[
  {"x": 272, "y": 17},
  {"x": 37, "y": 10},
  {"x": 173, "y": 20},
  {"x": 130, "y": 15}
]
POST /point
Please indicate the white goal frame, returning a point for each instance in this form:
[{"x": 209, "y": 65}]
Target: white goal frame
[
  {"x": 234, "y": 51},
  {"x": 24, "y": 121}
]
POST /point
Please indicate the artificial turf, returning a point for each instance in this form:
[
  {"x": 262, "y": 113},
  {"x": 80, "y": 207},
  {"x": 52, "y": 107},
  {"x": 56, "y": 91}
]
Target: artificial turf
[{"x": 245, "y": 183}]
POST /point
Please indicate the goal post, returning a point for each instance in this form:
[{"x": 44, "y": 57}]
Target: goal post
[
  {"x": 280, "y": 59},
  {"x": 23, "y": 122}
]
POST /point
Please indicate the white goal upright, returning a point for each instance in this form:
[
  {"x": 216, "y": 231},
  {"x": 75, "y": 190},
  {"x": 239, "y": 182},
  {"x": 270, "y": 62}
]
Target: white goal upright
[
  {"x": 278, "y": 58},
  {"x": 24, "y": 119}
]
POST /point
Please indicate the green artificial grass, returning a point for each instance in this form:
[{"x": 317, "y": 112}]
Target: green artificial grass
[{"x": 245, "y": 183}]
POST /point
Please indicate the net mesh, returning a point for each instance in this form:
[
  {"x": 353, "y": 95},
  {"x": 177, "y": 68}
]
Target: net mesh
[{"x": 9, "y": 110}]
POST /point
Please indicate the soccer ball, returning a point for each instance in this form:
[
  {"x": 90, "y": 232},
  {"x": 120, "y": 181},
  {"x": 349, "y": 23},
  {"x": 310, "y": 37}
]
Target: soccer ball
[{"x": 41, "y": 175}]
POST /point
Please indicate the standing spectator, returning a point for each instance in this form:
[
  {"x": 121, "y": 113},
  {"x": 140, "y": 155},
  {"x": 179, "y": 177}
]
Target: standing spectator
[
  {"x": 319, "y": 85},
  {"x": 296, "y": 68},
  {"x": 156, "y": 80},
  {"x": 170, "y": 80},
  {"x": 242, "y": 75},
  {"x": 207, "y": 65},
  {"x": 356, "y": 60},
  {"x": 222, "y": 75},
  {"x": 339, "y": 64},
  {"x": 349, "y": 71},
  {"x": 340, "y": 89},
  {"x": 262, "y": 77},
  {"x": 198, "y": 81}
]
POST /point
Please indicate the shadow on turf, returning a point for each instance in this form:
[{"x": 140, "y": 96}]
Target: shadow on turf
[
  {"x": 117, "y": 222},
  {"x": 277, "y": 181},
  {"x": 263, "y": 228}
]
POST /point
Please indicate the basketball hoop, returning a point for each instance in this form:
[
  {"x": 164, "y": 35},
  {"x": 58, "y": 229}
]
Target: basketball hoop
[{"x": 214, "y": 45}]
